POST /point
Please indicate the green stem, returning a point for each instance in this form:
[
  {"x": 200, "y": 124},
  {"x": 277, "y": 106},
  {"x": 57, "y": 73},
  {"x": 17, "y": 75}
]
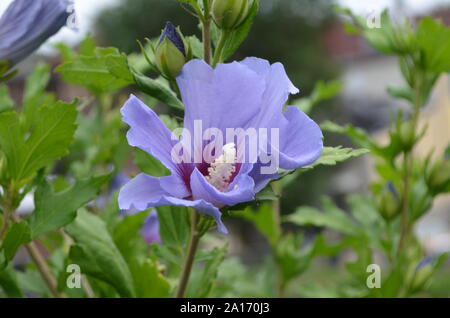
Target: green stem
[
  {"x": 277, "y": 189},
  {"x": 206, "y": 32},
  {"x": 220, "y": 46},
  {"x": 408, "y": 162},
  {"x": 276, "y": 215},
  {"x": 192, "y": 249},
  {"x": 6, "y": 217},
  {"x": 42, "y": 266},
  {"x": 7, "y": 212}
]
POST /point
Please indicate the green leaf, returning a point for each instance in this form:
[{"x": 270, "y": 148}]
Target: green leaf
[
  {"x": 204, "y": 278},
  {"x": 266, "y": 194},
  {"x": 434, "y": 41},
  {"x": 3, "y": 262},
  {"x": 49, "y": 140},
  {"x": 128, "y": 238},
  {"x": 97, "y": 255},
  {"x": 66, "y": 52},
  {"x": 196, "y": 46},
  {"x": 322, "y": 91},
  {"x": 6, "y": 103},
  {"x": 36, "y": 82},
  {"x": 238, "y": 36},
  {"x": 9, "y": 284},
  {"x": 106, "y": 71},
  {"x": 401, "y": 92},
  {"x": 332, "y": 155},
  {"x": 364, "y": 258},
  {"x": 118, "y": 66},
  {"x": 390, "y": 38},
  {"x": 157, "y": 89},
  {"x": 265, "y": 221},
  {"x": 365, "y": 212},
  {"x": 18, "y": 234},
  {"x": 55, "y": 210},
  {"x": 149, "y": 281},
  {"x": 35, "y": 95},
  {"x": 149, "y": 164},
  {"x": 357, "y": 135},
  {"x": 31, "y": 281},
  {"x": 173, "y": 225},
  {"x": 170, "y": 122},
  {"x": 87, "y": 46},
  {"x": 293, "y": 260},
  {"x": 332, "y": 217}
]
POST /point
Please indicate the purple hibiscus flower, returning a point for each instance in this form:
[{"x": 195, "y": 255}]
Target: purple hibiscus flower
[
  {"x": 26, "y": 24},
  {"x": 238, "y": 95}
]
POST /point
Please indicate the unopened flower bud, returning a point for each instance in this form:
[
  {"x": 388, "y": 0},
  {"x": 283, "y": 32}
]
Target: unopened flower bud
[
  {"x": 389, "y": 203},
  {"x": 170, "y": 54},
  {"x": 407, "y": 135},
  {"x": 230, "y": 14},
  {"x": 438, "y": 177},
  {"x": 417, "y": 277}
]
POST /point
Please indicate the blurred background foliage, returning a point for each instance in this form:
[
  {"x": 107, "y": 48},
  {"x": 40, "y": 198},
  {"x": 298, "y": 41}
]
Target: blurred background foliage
[{"x": 285, "y": 31}]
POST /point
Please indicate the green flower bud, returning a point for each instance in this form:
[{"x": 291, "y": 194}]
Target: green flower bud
[
  {"x": 230, "y": 14},
  {"x": 407, "y": 135},
  {"x": 170, "y": 54},
  {"x": 389, "y": 203},
  {"x": 417, "y": 277},
  {"x": 438, "y": 177}
]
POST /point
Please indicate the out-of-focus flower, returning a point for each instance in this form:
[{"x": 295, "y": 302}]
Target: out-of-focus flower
[
  {"x": 237, "y": 96},
  {"x": 150, "y": 229},
  {"x": 26, "y": 24},
  {"x": 170, "y": 54}
]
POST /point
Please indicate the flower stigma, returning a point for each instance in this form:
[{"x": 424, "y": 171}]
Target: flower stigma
[{"x": 223, "y": 167}]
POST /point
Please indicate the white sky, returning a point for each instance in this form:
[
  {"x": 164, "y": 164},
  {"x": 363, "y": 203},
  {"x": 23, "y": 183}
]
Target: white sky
[{"x": 88, "y": 9}]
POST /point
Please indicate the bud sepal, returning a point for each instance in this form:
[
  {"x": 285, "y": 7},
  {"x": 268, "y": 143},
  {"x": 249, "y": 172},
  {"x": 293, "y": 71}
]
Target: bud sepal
[{"x": 170, "y": 52}]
